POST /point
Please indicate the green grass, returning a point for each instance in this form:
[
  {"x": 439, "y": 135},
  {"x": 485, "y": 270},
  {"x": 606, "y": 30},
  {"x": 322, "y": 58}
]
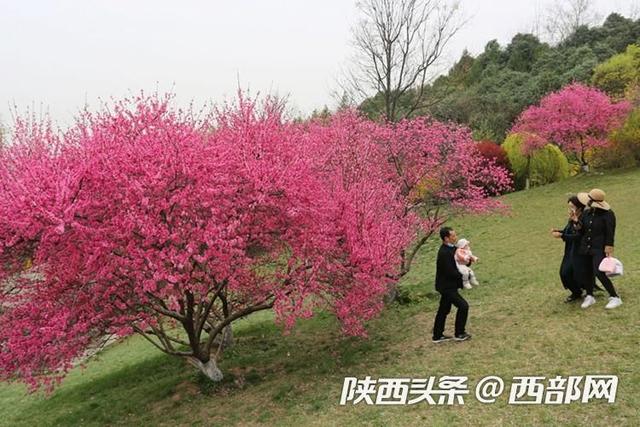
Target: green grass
[{"x": 519, "y": 322}]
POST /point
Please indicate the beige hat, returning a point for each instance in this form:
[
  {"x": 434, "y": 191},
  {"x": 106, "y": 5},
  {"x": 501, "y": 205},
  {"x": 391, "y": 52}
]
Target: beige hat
[{"x": 594, "y": 198}]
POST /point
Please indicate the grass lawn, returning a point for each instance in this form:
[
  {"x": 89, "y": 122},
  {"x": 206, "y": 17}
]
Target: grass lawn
[{"x": 519, "y": 323}]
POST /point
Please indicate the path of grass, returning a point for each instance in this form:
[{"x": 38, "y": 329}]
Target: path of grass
[{"x": 519, "y": 323}]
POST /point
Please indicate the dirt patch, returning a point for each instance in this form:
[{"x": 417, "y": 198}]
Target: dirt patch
[{"x": 184, "y": 390}]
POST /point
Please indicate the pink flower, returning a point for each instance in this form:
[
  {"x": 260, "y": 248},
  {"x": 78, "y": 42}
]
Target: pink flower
[
  {"x": 576, "y": 118},
  {"x": 174, "y": 214}
]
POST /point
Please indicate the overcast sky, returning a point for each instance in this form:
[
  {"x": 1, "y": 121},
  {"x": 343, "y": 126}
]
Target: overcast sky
[{"x": 57, "y": 55}]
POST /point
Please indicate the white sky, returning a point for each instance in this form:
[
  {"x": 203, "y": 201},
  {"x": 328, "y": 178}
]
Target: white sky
[{"x": 58, "y": 54}]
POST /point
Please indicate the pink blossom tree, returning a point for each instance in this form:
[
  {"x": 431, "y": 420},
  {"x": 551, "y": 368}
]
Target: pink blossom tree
[
  {"x": 577, "y": 118},
  {"x": 145, "y": 220},
  {"x": 439, "y": 172},
  {"x": 150, "y": 220},
  {"x": 435, "y": 168}
]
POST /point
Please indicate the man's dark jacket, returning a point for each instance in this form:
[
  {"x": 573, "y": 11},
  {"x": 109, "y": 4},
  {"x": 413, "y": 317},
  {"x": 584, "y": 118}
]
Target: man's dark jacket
[{"x": 448, "y": 278}]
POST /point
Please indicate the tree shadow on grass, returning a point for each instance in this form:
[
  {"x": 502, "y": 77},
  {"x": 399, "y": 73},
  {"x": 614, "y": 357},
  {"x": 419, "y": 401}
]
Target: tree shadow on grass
[
  {"x": 137, "y": 392},
  {"x": 109, "y": 399},
  {"x": 315, "y": 346}
]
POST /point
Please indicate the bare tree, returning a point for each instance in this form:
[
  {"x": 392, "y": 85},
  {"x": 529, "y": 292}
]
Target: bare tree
[
  {"x": 397, "y": 44},
  {"x": 565, "y": 16},
  {"x": 535, "y": 27}
]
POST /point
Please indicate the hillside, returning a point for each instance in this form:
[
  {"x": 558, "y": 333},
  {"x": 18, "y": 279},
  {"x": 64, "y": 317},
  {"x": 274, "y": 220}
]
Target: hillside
[
  {"x": 488, "y": 91},
  {"x": 519, "y": 323}
]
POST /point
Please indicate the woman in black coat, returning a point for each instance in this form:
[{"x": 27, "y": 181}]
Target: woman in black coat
[
  {"x": 575, "y": 267},
  {"x": 598, "y": 228}
]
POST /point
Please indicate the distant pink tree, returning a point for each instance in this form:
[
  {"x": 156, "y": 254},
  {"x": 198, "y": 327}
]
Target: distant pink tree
[{"x": 577, "y": 118}]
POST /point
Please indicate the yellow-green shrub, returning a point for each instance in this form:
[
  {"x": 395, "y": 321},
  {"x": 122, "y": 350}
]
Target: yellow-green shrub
[
  {"x": 543, "y": 166},
  {"x": 624, "y": 147},
  {"x": 619, "y": 72}
]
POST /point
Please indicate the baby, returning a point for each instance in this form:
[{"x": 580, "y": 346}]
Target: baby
[{"x": 463, "y": 257}]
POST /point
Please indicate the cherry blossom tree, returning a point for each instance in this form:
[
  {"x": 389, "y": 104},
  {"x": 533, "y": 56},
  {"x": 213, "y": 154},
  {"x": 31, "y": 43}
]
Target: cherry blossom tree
[
  {"x": 577, "y": 118},
  {"x": 143, "y": 219},
  {"x": 146, "y": 219}
]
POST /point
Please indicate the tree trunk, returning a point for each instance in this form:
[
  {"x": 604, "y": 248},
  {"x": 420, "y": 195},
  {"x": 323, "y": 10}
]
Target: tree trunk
[
  {"x": 209, "y": 368},
  {"x": 392, "y": 294},
  {"x": 584, "y": 166},
  {"x": 527, "y": 183}
]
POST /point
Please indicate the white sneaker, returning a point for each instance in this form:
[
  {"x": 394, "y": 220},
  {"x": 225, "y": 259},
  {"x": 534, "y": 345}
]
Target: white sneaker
[
  {"x": 614, "y": 302},
  {"x": 466, "y": 285},
  {"x": 588, "y": 301},
  {"x": 474, "y": 282}
]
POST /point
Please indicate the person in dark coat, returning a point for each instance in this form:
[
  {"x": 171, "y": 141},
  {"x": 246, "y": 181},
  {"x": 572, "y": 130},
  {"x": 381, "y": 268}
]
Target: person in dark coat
[
  {"x": 575, "y": 267},
  {"x": 448, "y": 281},
  {"x": 598, "y": 228}
]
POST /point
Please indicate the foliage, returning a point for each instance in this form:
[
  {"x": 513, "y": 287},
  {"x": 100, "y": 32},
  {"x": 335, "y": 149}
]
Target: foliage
[
  {"x": 489, "y": 91},
  {"x": 624, "y": 149},
  {"x": 495, "y": 153},
  {"x": 435, "y": 167},
  {"x": 613, "y": 36},
  {"x": 541, "y": 166},
  {"x": 140, "y": 220},
  {"x": 616, "y": 75},
  {"x": 130, "y": 384},
  {"x": 577, "y": 119},
  {"x": 491, "y": 150}
]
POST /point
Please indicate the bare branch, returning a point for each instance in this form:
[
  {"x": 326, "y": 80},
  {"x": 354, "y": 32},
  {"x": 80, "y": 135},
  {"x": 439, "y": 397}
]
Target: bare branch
[
  {"x": 397, "y": 43},
  {"x": 158, "y": 345},
  {"x": 565, "y": 17}
]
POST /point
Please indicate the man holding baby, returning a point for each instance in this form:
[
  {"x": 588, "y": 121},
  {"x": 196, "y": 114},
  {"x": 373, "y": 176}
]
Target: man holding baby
[{"x": 448, "y": 281}]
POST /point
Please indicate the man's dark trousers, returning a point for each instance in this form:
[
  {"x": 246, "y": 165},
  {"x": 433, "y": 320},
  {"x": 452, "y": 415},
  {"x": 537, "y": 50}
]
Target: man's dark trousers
[{"x": 448, "y": 298}]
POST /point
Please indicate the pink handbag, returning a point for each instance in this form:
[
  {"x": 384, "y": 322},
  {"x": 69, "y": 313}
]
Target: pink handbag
[{"x": 611, "y": 267}]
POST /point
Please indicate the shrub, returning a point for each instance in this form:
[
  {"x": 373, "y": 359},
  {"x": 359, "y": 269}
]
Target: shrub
[
  {"x": 543, "y": 166},
  {"x": 624, "y": 148},
  {"x": 619, "y": 72},
  {"x": 491, "y": 150},
  {"x": 493, "y": 153}
]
